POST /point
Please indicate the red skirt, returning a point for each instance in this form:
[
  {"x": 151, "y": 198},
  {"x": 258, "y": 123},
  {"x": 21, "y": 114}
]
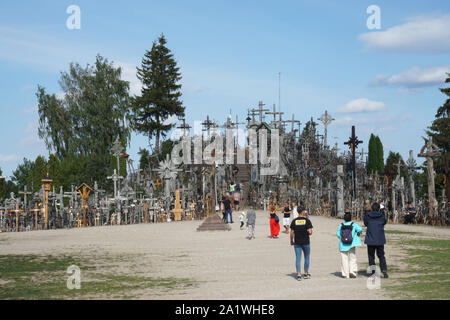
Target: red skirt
[{"x": 274, "y": 228}]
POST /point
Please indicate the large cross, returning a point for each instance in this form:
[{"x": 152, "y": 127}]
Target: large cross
[
  {"x": 326, "y": 120},
  {"x": 274, "y": 113},
  {"x": 432, "y": 151},
  {"x": 208, "y": 124},
  {"x": 115, "y": 177},
  {"x": 293, "y": 122},
  {"x": 117, "y": 150},
  {"x": 260, "y": 110},
  {"x": 353, "y": 144},
  {"x": 25, "y": 193},
  {"x": 184, "y": 126}
]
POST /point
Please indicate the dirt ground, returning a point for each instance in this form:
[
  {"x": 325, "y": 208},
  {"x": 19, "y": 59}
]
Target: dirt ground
[{"x": 223, "y": 264}]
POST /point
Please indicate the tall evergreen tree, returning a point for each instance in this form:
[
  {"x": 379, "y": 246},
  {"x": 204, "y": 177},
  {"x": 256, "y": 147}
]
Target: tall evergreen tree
[
  {"x": 440, "y": 128},
  {"x": 375, "y": 162},
  {"x": 160, "y": 93}
]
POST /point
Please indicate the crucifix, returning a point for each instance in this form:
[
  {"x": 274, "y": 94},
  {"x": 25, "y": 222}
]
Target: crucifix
[
  {"x": 84, "y": 191},
  {"x": 17, "y": 211},
  {"x": 432, "y": 151},
  {"x": 25, "y": 193},
  {"x": 36, "y": 211},
  {"x": 326, "y": 120},
  {"x": 46, "y": 184},
  {"x": 353, "y": 144}
]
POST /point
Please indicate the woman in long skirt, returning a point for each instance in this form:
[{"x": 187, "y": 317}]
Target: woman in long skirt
[{"x": 274, "y": 223}]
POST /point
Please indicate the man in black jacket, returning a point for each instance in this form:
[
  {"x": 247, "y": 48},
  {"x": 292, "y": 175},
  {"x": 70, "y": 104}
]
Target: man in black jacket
[{"x": 375, "y": 237}]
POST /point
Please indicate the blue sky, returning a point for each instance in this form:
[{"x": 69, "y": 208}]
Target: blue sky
[{"x": 230, "y": 52}]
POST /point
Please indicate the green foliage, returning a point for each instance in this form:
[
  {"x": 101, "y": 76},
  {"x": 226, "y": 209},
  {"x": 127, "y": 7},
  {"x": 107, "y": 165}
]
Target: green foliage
[
  {"x": 440, "y": 127},
  {"x": 375, "y": 162},
  {"x": 391, "y": 168},
  {"x": 160, "y": 93},
  {"x": 309, "y": 131},
  {"x": 89, "y": 117},
  {"x": 144, "y": 161}
]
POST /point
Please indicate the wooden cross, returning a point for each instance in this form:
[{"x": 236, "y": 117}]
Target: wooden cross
[
  {"x": 353, "y": 144},
  {"x": 275, "y": 114},
  {"x": 158, "y": 183},
  {"x": 260, "y": 110},
  {"x": 184, "y": 126},
  {"x": 25, "y": 193},
  {"x": 293, "y": 122},
  {"x": 432, "y": 151},
  {"x": 36, "y": 211}
]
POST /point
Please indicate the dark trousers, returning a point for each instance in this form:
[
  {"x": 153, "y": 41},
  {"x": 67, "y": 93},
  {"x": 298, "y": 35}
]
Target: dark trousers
[{"x": 380, "y": 254}]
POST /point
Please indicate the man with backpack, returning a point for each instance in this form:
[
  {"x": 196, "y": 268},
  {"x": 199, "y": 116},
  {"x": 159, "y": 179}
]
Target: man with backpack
[
  {"x": 375, "y": 237},
  {"x": 348, "y": 234}
]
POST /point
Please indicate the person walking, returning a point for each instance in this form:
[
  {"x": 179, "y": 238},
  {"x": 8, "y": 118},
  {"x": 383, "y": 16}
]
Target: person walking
[
  {"x": 375, "y": 238},
  {"x": 251, "y": 220},
  {"x": 286, "y": 217},
  {"x": 274, "y": 223},
  {"x": 301, "y": 230},
  {"x": 228, "y": 212},
  {"x": 348, "y": 233},
  {"x": 237, "y": 199}
]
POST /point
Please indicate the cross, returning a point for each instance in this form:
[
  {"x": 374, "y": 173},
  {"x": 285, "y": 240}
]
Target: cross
[
  {"x": 184, "y": 126},
  {"x": 36, "y": 211},
  {"x": 353, "y": 144},
  {"x": 158, "y": 183},
  {"x": 398, "y": 165},
  {"x": 293, "y": 122},
  {"x": 115, "y": 177},
  {"x": 274, "y": 114},
  {"x": 25, "y": 193},
  {"x": 117, "y": 150},
  {"x": 208, "y": 124},
  {"x": 432, "y": 151},
  {"x": 260, "y": 110},
  {"x": 326, "y": 120}
]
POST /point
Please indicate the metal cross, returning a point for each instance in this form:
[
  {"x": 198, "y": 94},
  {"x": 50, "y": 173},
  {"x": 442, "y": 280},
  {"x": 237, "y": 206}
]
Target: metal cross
[
  {"x": 353, "y": 144},
  {"x": 260, "y": 110}
]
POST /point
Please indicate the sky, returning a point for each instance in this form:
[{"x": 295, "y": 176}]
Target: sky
[{"x": 384, "y": 81}]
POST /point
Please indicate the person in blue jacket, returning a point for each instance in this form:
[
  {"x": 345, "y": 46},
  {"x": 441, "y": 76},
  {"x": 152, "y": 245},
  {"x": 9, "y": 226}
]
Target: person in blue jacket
[
  {"x": 349, "y": 265},
  {"x": 375, "y": 237}
]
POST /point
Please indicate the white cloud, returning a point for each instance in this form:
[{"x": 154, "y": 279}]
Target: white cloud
[
  {"x": 362, "y": 105},
  {"x": 414, "y": 77},
  {"x": 420, "y": 34}
]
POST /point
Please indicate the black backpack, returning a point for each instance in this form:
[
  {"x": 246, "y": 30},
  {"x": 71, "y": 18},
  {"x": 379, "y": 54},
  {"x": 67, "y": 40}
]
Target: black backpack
[{"x": 346, "y": 233}]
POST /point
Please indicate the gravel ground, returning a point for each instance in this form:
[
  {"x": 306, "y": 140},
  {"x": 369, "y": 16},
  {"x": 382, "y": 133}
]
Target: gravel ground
[{"x": 224, "y": 264}]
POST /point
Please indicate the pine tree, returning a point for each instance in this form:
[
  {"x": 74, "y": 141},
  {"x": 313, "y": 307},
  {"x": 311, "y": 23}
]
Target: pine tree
[
  {"x": 375, "y": 162},
  {"x": 160, "y": 93},
  {"x": 379, "y": 156},
  {"x": 440, "y": 128}
]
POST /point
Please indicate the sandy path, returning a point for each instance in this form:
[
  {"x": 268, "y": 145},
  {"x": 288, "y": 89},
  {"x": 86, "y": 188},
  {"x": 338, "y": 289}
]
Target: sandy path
[{"x": 224, "y": 264}]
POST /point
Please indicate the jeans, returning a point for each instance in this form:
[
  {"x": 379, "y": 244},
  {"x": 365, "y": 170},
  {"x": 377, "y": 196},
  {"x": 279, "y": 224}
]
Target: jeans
[
  {"x": 298, "y": 256},
  {"x": 380, "y": 253},
  {"x": 228, "y": 213}
]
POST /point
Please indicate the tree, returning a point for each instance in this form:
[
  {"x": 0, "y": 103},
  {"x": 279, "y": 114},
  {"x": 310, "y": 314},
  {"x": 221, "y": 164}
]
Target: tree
[
  {"x": 89, "y": 117},
  {"x": 391, "y": 168},
  {"x": 375, "y": 162},
  {"x": 440, "y": 127},
  {"x": 160, "y": 93},
  {"x": 144, "y": 161}
]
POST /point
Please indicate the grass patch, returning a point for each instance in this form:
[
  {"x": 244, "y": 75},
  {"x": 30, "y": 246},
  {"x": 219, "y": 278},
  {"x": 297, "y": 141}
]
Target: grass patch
[
  {"x": 401, "y": 232},
  {"x": 429, "y": 261},
  {"x": 45, "y": 277}
]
